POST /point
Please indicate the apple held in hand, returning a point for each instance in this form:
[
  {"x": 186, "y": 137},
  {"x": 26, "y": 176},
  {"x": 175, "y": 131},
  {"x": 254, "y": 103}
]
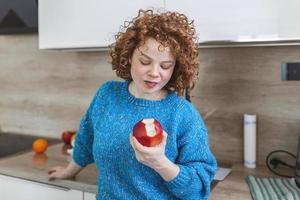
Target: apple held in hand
[
  {"x": 148, "y": 132},
  {"x": 66, "y": 136}
]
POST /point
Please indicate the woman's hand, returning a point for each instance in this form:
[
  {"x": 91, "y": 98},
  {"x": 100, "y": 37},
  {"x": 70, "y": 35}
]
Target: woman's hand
[
  {"x": 155, "y": 158},
  {"x": 67, "y": 172},
  {"x": 58, "y": 172},
  {"x": 152, "y": 157}
]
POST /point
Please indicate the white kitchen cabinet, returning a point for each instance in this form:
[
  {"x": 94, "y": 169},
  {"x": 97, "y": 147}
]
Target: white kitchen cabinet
[
  {"x": 229, "y": 20},
  {"x": 89, "y": 196},
  {"x": 247, "y": 20},
  {"x": 85, "y": 24},
  {"x": 289, "y": 19},
  {"x": 16, "y": 188},
  {"x": 67, "y": 24}
]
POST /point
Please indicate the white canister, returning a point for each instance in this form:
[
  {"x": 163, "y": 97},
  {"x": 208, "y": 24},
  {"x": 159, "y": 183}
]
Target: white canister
[{"x": 250, "y": 141}]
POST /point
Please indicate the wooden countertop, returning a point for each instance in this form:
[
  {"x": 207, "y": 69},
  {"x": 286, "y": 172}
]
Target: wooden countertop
[
  {"x": 31, "y": 166},
  {"x": 235, "y": 187}
]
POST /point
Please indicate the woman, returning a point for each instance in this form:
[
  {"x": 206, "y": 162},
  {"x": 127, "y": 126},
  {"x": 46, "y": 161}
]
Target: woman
[{"x": 157, "y": 56}]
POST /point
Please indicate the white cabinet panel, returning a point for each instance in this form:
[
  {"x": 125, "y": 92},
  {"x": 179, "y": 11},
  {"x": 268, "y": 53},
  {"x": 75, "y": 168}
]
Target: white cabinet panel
[
  {"x": 231, "y": 19},
  {"x": 15, "y": 188},
  {"x": 93, "y": 23},
  {"x": 289, "y": 19},
  {"x": 89, "y": 196},
  {"x": 84, "y": 24}
]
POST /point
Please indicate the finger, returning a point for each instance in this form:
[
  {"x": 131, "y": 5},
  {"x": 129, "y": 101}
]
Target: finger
[
  {"x": 54, "y": 169},
  {"x": 51, "y": 171},
  {"x": 135, "y": 143},
  {"x": 132, "y": 143},
  {"x": 131, "y": 137},
  {"x": 51, "y": 177},
  {"x": 164, "y": 138},
  {"x": 165, "y": 133},
  {"x": 138, "y": 146}
]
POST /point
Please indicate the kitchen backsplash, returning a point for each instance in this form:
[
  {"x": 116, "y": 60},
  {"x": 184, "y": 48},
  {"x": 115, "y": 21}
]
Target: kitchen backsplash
[{"x": 46, "y": 92}]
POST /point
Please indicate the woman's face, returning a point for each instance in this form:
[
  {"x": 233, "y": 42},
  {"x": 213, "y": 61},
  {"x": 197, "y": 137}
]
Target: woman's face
[{"x": 152, "y": 66}]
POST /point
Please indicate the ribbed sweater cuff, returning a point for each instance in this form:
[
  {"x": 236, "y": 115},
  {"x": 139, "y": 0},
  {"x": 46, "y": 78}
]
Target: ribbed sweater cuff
[
  {"x": 80, "y": 158},
  {"x": 78, "y": 161}
]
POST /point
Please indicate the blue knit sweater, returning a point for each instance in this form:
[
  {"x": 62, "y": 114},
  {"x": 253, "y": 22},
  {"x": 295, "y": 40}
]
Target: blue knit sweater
[{"x": 103, "y": 138}]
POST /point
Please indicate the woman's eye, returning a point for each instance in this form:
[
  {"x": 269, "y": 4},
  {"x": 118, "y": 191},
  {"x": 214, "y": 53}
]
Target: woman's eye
[
  {"x": 144, "y": 62},
  {"x": 165, "y": 66}
]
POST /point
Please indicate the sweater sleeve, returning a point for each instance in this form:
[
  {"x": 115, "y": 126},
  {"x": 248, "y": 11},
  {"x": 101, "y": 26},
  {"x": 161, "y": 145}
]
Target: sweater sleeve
[
  {"x": 196, "y": 162},
  {"x": 83, "y": 150}
]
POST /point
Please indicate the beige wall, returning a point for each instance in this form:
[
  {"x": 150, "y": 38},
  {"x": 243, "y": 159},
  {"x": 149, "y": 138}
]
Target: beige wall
[
  {"x": 44, "y": 92},
  {"x": 234, "y": 81}
]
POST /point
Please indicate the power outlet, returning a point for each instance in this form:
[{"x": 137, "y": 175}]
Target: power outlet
[{"x": 290, "y": 71}]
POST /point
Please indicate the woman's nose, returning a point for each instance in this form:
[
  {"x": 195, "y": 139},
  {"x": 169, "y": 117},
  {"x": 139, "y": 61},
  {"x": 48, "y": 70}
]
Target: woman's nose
[{"x": 154, "y": 71}]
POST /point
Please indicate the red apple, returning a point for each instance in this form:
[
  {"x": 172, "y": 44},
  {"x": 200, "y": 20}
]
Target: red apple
[
  {"x": 66, "y": 136},
  {"x": 148, "y": 132}
]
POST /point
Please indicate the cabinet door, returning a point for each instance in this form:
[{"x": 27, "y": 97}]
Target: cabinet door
[
  {"x": 15, "y": 188},
  {"x": 89, "y": 196},
  {"x": 231, "y": 19},
  {"x": 84, "y": 24},
  {"x": 289, "y": 19}
]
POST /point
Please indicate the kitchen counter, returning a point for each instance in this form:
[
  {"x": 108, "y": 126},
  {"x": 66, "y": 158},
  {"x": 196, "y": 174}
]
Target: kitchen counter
[
  {"x": 31, "y": 166},
  {"x": 235, "y": 187}
]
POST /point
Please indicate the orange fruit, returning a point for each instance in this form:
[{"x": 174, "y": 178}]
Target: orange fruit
[{"x": 40, "y": 145}]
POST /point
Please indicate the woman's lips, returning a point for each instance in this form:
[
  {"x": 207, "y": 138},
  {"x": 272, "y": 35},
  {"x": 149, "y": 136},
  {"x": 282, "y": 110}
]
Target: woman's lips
[{"x": 150, "y": 84}]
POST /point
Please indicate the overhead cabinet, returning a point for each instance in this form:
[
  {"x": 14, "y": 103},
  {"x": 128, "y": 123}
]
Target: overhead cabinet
[
  {"x": 85, "y": 24},
  {"x": 93, "y": 23},
  {"x": 230, "y": 20},
  {"x": 247, "y": 20}
]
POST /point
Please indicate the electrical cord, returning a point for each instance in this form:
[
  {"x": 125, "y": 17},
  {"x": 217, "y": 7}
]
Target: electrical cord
[{"x": 276, "y": 161}]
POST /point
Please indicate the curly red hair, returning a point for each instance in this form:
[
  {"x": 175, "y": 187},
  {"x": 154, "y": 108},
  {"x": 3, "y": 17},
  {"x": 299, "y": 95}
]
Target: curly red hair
[{"x": 172, "y": 30}]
